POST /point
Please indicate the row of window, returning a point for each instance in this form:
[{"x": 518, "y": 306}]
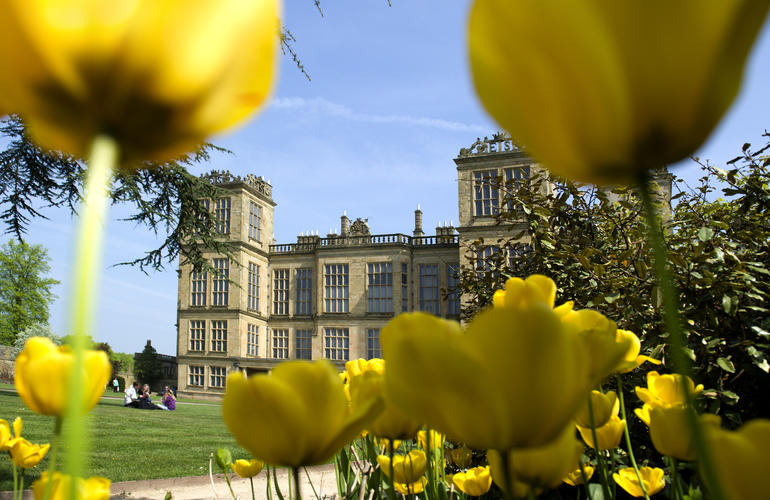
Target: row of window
[
  {"x": 197, "y": 376},
  {"x": 488, "y": 191},
  {"x": 336, "y": 288},
  {"x": 336, "y": 341},
  {"x": 222, "y": 217}
]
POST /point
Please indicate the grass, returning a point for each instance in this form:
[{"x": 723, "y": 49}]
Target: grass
[{"x": 129, "y": 444}]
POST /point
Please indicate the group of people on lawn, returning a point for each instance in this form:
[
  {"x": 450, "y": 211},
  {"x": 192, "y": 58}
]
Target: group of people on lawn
[{"x": 141, "y": 400}]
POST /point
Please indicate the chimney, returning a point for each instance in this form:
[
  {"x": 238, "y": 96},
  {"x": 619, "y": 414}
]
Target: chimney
[
  {"x": 418, "y": 223},
  {"x": 344, "y": 222}
]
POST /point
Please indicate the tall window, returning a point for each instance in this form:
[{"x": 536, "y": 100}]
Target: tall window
[
  {"x": 219, "y": 282},
  {"x": 219, "y": 335},
  {"x": 217, "y": 376},
  {"x": 404, "y": 287},
  {"x": 304, "y": 344},
  {"x": 204, "y": 210},
  {"x": 198, "y": 289},
  {"x": 222, "y": 215},
  {"x": 336, "y": 344},
  {"x": 255, "y": 221},
  {"x": 515, "y": 178},
  {"x": 252, "y": 339},
  {"x": 485, "y": 192},
  {"x": 429, "y": 288},
  {"x": 336, "y": 288},
  {"x": 281, "y": 291},
  {"x": 485, "y": 258},
  {"x": 197, "y": 335},
  {"x": 253, "y": 288},
  {"x": 280, "y": 343},
  {"x": 373, "y": 343},
  {"x": 303, "y": 305},
  {"x": 195, "y": 375},
  {"x": 380, "y": 287},
  {"x": 453, "y": 291}
]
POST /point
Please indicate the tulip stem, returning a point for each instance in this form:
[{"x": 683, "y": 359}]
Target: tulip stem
[
  {"x": 599, "y": 457},
  {"x": 628, "y": 437},
  {"x": 392, "y": 473},
  {"x": 52, "y": 456},
  {"x": 585, "y": 481},
  {"x": 507, "y": 479},
  {"x": 295, "y": 475},
  {"x": 676, "y": 338},
  {"x": 89, "y": 241},
  {"x": 15, "y": 479},
  {"x": 251, "y": 480}
]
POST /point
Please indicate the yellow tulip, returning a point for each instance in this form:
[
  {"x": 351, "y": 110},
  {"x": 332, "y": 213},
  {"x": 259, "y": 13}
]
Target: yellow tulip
[
  {"x": 43, "y": 374},
  {"x": 671, "y": 433},
  {"x": 93, "y": 488},
  {"x": 297, "y": 415},
  {"x": 632, "y": 358},
  {"x": 652, "y": 478},
  {"x": 25, "y": 454},
  {"x": 407, "y": 469},
  {"x": 247, "y": 468},
  {"x": 513, "y": 379},
  {"x": 598, "y": 336},
  {"x": 523, "y": 293},
  {"x": 5, "y": 433},
  {"x": 462, "y": 457},
  {"x": 666, "y": 390},
  {"x": 539, "y": 467},
  {"x": 430, "y": 439},
  {"x": 741, "y": 459},
  {"x": 414, "y": 488},
  {"x": 369, "y": 383},
  {"x": 575, "y": 478},
  {"x": 604, "y": 405},
  {"x": 474, "y": 482},
  {"x": 159, "y": 77},
  {"x": 580, "y": 83},
  {"x": 385, "y": 444},
  {"x": 608, "y": 435},
  {"x": 644, "y": 413}
]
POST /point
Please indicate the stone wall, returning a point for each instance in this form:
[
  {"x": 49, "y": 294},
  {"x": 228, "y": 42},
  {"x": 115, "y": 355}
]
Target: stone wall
[{"x": 6, "y": 363}]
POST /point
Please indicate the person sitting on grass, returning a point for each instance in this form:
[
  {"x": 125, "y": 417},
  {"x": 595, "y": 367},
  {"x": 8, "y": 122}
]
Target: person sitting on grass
[
  {"x": 131, "y": 399},
  {"x": 169, "y": 400}
]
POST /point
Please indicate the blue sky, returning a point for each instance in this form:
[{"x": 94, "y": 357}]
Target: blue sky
[{"x": 374, "y": 133}]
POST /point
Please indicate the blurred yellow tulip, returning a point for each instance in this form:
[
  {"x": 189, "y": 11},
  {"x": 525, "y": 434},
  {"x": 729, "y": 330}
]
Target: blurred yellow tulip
[
  {"x": 414, "y": 488},
  {"x": 592, "y": 95},
  {"x": 539, "y": 467},
  {"x": 93, "y": 488},
  {"x": 247, "y": 468},
  {"x": 514, "y": 378},
  {"x": 608, "y": 435},
  {"x": 461, "y": 457},
  {"x": 666, "y": 390},
  {"x": 604, "y": 405},
  {"x": 525, "y": 292},
  {"x": 652, "y": 478},
  {"x": 368, "y": 382},
  {"x": 159, "y": 77},
  {"x": 297, "y": 415},
  {"x": 575, "y": 478},
  {"x": 741, "y": 459},
  {"x": 407, "y": 469},
  {"x": 671, "y": 433},
  {"x": 474, "y": 482},
  {"x": 385, "y": 444},
  {"x": 597, "y": 334},
  {"x": 5, "y": 433},
  {"x": 632, "y": 358},
  {"x": 43, "y": 374},
  {"x": 430, "y": 439},
  {"x": 25, "y": 454}
]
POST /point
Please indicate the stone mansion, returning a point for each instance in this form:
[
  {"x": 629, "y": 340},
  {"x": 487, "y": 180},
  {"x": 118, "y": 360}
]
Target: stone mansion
[{"x": 325, "y": 297}]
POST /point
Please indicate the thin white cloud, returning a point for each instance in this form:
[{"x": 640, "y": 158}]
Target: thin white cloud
[
  {"x": 139, "y": 288},
  {"x": 321, "y": 105}
]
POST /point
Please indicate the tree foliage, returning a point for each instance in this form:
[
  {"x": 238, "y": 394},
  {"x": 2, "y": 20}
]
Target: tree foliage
[
  {"x": 147, "y": 366},
  {"x": 165, "y": 197},
  {"x": 592, "y": 242},
  {"x": 25, "y": 290},
  {"x": 34, "y": 330}
]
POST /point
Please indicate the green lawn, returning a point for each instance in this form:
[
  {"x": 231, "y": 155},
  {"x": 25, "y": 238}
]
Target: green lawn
[{"x": 130, "y": 444}]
